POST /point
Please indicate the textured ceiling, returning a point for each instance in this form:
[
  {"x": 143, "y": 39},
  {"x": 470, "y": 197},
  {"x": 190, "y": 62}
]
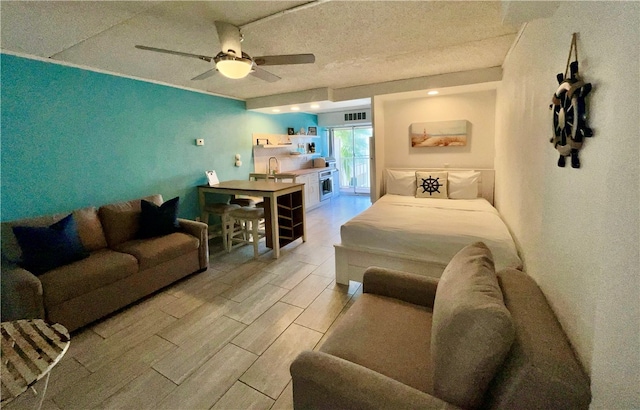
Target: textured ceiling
[{"x": 355, "y": 42}]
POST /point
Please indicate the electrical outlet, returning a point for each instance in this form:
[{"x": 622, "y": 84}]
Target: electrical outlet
[{"x": 200, "y": 142}]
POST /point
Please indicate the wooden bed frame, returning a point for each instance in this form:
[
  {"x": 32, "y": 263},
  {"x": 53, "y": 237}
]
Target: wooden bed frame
[{"x": 352, "y": 262}]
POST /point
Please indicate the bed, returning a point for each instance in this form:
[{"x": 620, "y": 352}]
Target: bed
[{"x": 422, "y": 234}]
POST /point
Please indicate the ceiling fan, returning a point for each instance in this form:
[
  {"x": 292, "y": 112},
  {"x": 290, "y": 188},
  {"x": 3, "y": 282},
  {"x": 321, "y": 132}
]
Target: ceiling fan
[{"x": 232, "y": 62}]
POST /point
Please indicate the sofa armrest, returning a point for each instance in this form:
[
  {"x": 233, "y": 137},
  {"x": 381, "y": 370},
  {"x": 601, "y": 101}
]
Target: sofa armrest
[
  {"x": 200, "y": 231},
  {"x": 323, "y": 381},
  {"x": 21, "y": 294},
  {"x": 409, "y": 287}
]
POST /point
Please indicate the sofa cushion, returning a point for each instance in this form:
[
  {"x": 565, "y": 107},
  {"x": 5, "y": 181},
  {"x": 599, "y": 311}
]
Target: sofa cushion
[
  {"x": 121, "y": 221},
  {"x": 90, "y": 228},
  {"x": 388, "y": 336},
  {"x": 472, "y": 329},
  {"x": 541, "y": 371},
  {"x": 154, "y": 251},
  {"x": 10, "y": 248},
  {"x": 48, "y": 247},
  {"x": 119, "y": 226},
  {"x": 87, "y": 222},
  {"x": 158, "y": 220},
  {"x": 101, "y": 268}
]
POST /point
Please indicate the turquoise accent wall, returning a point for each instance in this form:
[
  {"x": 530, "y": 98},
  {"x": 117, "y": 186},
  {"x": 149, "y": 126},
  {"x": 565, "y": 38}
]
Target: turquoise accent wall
[{"x": 72, "y": 138}]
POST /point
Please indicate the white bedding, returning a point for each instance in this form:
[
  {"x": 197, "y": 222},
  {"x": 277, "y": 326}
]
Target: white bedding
[{"x": 433, "y": 230}]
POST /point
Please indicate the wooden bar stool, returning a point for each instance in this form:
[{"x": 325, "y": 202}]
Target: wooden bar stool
[
  {"x": 285, "y": 177},
  {"x": 243, "y": 202},
  {"x": 221, "y": 210},
  {"x": 243, "y": 227}
]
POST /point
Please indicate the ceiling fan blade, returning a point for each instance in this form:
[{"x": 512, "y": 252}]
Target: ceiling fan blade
[
  {"x": 285, "y": 59},
  {"x": 264, "y": 75},
  {"x": 204, "y": 75},
  {"x": 177, "y": 53}
]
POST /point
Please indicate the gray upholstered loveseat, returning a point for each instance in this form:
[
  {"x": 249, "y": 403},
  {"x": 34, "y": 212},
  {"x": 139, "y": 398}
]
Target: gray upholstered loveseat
[
  {"x": 119, "y": 270},
  {"x": 471, "y": 339}
]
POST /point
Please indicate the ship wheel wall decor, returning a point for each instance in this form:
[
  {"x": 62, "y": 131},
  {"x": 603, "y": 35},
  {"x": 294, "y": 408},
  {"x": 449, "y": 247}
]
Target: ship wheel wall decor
[{"x": 569, "y": 111}]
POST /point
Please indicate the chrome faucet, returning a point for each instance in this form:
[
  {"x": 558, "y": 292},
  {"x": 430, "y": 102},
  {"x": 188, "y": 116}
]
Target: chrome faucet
[{"x": 276, "y": 168}]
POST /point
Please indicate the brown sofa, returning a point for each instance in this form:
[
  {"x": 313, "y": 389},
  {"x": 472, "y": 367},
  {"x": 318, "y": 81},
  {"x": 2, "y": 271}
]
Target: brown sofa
[
  {"x": 471, "y": 339},
  {"x": 119, "y": 270}
]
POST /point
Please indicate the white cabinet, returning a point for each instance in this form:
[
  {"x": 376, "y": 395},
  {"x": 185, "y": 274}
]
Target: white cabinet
[{"x": 311, "y": 189}]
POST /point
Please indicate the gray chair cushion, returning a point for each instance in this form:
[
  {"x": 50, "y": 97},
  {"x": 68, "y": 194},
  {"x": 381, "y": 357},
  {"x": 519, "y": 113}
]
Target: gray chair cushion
[
  {"x": 247, "y": 213},
  {"x": 218, "y": 208},
  {"x": 388, "y": 336},
  {"x": 541, "y": 371},
  {"x": 472, "y": 330}
]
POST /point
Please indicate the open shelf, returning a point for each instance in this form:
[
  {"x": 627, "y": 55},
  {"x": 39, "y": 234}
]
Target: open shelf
[
  {"x": 271, "y": 146},
  {"x": 290, "y": 218}
]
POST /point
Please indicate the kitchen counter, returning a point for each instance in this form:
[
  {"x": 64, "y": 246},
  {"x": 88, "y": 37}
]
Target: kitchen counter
[
  {"x": 305, "y": 171},
  {"x": 307, "y": 176}
]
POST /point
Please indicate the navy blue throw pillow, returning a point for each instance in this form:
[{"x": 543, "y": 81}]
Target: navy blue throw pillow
[
  {"x": 46, "y": 248},
  {"x": 158, "y": 220}
]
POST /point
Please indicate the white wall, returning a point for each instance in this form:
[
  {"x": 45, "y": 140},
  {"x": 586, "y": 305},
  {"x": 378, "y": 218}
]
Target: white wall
[
  {"x": 578, "y": 229},
  {"x": 394, "y": 114},
  {"x": 478, "y": 108}
]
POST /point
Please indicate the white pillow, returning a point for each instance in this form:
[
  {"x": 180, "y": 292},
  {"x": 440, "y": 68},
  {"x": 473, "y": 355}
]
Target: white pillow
[
  {"x": 463, "y": 184},
  {"x": 431, "y": 185},
  {"x": 401, "y": 182}
]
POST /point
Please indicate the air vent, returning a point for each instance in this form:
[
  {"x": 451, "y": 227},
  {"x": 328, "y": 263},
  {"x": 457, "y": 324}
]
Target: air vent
[
  {"x": 355, "y": 116},
  {"x": 345, "y": 118}
]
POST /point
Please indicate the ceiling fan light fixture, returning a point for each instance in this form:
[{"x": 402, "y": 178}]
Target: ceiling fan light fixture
[{"x": 233, "y": 67}]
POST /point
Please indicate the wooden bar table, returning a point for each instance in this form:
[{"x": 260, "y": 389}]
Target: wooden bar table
[{"x": 284, "y": 207}]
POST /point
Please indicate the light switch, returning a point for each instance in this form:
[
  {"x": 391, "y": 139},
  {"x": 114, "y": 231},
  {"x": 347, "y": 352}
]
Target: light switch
[{"x": 199, "y": 141}]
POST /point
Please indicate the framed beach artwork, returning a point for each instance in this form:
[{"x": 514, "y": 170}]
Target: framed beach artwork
[{"x": 439, "y": 134}]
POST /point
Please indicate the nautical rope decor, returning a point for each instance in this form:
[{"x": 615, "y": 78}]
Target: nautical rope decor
[{"x": 569, "y": 111}]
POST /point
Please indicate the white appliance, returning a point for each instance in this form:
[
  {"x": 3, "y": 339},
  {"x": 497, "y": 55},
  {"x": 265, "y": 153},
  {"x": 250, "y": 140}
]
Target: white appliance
[{"x": 326, "y": 184}]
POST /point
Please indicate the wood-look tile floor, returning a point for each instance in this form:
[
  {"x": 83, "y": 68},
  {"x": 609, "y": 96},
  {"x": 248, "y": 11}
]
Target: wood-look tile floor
[{"x": 220, "y": 339}]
